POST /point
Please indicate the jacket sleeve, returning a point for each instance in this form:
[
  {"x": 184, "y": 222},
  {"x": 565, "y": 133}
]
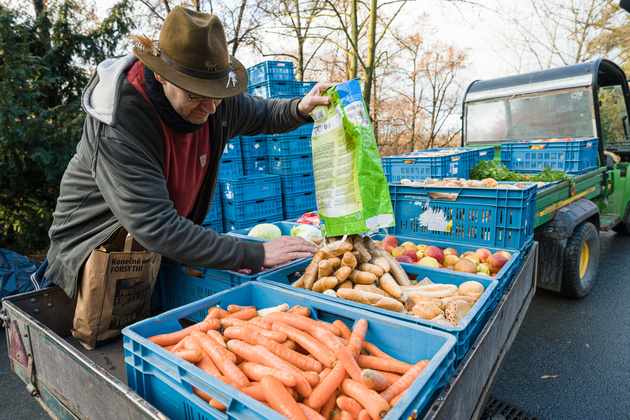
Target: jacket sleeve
[{"x": 133, "y": 185}]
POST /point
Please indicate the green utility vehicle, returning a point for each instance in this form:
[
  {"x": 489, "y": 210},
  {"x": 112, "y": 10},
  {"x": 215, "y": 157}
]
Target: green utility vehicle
[{"x": 585, "y": 100}]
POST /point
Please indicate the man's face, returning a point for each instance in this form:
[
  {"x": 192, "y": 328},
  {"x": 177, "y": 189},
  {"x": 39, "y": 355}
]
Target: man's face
[{"x": 191, "y": 108}]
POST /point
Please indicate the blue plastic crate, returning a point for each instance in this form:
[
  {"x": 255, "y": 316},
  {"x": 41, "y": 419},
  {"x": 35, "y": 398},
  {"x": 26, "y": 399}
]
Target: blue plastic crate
[
  {"x": 181, "y": 284},
  {"x": 233, "y": 225},
  {"x": 477, "y": 154},
  {"x": 232, "y": 149},
  {"x": 293, "y": 184},
  {"x": 216, "y": 225},
  {"x": 252, "y": 209},
  {"x": 298, "y": 202},
  {"x": 417, "y": 166},
  {"x": 287, "y": 145},
  {"x": 504, "y": 277},
  {"x": 271, "y": 71},
  {"x": 305, "y": 130},
  {"x": 306, "y": 87},
  {"x": 230, "y": 167},
  {"x": 484, "y": 217},
  {"x": 215, "y": 214},
  {"x": 256, "y": 166},
  {"x": 252, "y": 187},
  {"x": 254, "y": 146},
  {"x": 166, "y": 381},
  {"x": 271, "y": 90},
  {"x": 573, "y": 157},
  {"x": 291, "y": 165},
  {"x": 465, "y": 332}
]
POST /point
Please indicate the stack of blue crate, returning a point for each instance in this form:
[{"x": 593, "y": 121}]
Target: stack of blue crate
[
  {"x": 254, "y": 150},
  {"x": 249, "y": 200},
  {"x": 214, "y": 219}
]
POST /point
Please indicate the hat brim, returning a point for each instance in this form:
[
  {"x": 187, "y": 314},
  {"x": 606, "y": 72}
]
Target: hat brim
[{"x": 220, "y": 88}]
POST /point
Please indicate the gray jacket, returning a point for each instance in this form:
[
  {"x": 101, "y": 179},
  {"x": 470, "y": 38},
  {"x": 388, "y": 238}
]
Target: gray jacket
[{"x": 117, "y": 178}]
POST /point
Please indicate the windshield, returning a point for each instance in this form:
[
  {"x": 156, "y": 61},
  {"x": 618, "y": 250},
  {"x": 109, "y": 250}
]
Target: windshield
[{"x": 540, "y": 116}]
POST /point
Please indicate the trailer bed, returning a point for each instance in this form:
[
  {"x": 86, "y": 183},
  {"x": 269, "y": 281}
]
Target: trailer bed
[{"x": 70, "y": 382}]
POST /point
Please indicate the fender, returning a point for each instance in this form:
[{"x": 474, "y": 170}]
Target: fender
[{"x": 568, "y": 217}]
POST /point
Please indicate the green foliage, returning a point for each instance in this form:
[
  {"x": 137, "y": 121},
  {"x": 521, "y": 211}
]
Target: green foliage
[
  {"x": 44, "y": 64},
  {"x": 497, "y": 171}
]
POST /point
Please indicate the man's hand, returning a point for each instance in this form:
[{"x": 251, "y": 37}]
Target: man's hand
[
  {"x": 287, "y": 248},
  {"x": 314, "y": 98}
]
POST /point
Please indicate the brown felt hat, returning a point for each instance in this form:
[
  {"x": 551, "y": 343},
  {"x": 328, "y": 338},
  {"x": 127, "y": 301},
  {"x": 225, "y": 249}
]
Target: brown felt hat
[{"x": 192, "y": 54}]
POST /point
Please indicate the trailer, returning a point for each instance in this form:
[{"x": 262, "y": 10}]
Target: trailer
[{"x": 587, "y": 100}]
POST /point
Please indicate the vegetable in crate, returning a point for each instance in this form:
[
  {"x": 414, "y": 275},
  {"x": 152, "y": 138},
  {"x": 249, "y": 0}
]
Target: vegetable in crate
[
  {"x": 265, "y": 231},
  {"x": 307, "y": 232},
  {"x": 253, "y": 354},
  {"x": 490, "y": 169}
]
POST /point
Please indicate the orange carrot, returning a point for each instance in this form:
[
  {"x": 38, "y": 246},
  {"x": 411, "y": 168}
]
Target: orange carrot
[
  {"x": 327, "y": 387},
  {"x": 217, "y": 313},
  {"x": 244, "y": 314},
  {"x": 300, "y": 310},
  {"x": 233, "y": 322},
  {"x": 311, "y": 377},
  {"x": 364, "y": 415},
  {"x": 328, "y": 407},
  {"x": 376, "y": 405},
  {"x": 280, "y": 399},
  {"x": 201, "y": 394},
  {"x": 346, "y": 358},
  {"x": 358, "y": 336},
  {"x": 374, "y": 380},
  {"x": 345, "y": 331},
  {"x": 375, "y": 351},
  {"x": 201, "y": 337},
  {"x": 222, "y": 360},
  {"x": 259, "y": 354},
  {"x": 206, "y": 364},
  {"x": 310, "y": 413},
  {"x": 258, "y": 321},
  {"x": 216, "y": 404},
  {"x": 256, "y": 338},
  {"x": 346, "y": 415},
  {"x": 255, "y": 391},
  {"x": 405, "y": 382},
  {"x": 216, "y": 336},
  {"x": 177, "y": 336},
  {"x": 335, "y": 414},
  {"x": 376, "y": 363},
  {"x": 235, "y": 308},
  {"x": 190, "y": 355},
  {"x": 350, "y": 405},
  {"x": 330, "y": 327},
  {"x": 256, "y": 372},
  {"x": 390, "y": 376},
  {"x": 290, "y": 344},
  {"x": 296, "y": 321},
  {"x": 169, "y": 348},
  {"x": 323, "y": 354},
  {"x": 396, "y": 398}
]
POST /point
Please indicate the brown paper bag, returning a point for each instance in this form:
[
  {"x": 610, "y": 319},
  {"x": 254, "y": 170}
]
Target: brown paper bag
[{"x": 115, "y": 290}]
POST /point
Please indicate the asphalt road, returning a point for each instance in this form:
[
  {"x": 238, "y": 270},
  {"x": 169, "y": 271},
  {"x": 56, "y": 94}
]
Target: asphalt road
[{"x": 570, "y": 359}]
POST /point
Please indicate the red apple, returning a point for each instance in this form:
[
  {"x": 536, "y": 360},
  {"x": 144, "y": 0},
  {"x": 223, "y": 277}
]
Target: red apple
[
  {"x": 421, "y": 247},
  {"x": 429, "y": 262},
  {"x": 465, "y": 265},
  {"x": 450, "y": 267},
  {"x": 391, "y": 239},
  {"x": 399, "y": 250},
  {"x": 404, "y": 259},
  {"x": 451, "y": 251},
  {"x": 434, "y": 252},
  {"x": 496, "y": 262},
  {"x": 505, "y": 254},
  {"x": 420, "y": 255},
  {"x": 388, "y": 246},
  {"x": 410, "y": 246},
  {"x": 450, "y": 260},
  {"x": 483, "y": 254},
  {"x": 471, "y": 256},
  {"x": 411, "y": 255}
]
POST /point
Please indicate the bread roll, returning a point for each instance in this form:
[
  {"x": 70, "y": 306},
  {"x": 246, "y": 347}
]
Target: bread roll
[
  {"x": 471, "y": 288},
  {"x": 468, "y": 299},
  {"x": 371, "y": 299},
  {"x": 426, "y": 310},
  {"x": 456, "y": 310},
  {"x": 437, "y": 290}
]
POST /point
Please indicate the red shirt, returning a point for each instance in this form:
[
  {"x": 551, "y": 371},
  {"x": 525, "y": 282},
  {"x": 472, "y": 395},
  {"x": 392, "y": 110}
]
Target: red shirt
[{"x": 186, "y": 155}]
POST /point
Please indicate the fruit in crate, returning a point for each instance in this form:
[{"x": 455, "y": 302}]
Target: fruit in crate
[
  {"x": 451, "y": 251},
  {"x": 505, "y": 254},
  {"x": 405, "y": 259},
  {"x": 434, "y": 252},
  {"x": 398, "y": 251},
  {"x": 472, "y": 256},
  {"x": 463, "y": 183},
  {"x": 483, "y": 254},
  {"x": 496, "y": 262},
  {"x": 410, "y": 246},
  {"x": 464, "y": 265},
  {"x": 412, "y": 255},
  {"x": 483, "y": 269},
  {"x": 429, "y": 262},
  {"x": 450, "y": 260}
]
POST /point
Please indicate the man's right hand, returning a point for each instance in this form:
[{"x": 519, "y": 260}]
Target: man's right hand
[{"x": 287, "y": 248}]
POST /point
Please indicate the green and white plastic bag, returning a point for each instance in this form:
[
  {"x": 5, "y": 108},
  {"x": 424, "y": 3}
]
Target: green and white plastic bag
[{"x": 350, "y": 186}]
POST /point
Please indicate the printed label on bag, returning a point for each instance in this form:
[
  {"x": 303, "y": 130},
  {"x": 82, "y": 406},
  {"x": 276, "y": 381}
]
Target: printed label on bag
[{"x": 131, "y": 302}]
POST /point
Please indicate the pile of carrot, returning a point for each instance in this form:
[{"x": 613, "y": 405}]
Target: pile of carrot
[{"x": 301, "y": 367}]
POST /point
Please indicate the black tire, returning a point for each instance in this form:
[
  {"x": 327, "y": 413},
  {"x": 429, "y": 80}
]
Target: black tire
[
  {"x": 622, "y": 229},
  {"x": 578, "y": 280}
]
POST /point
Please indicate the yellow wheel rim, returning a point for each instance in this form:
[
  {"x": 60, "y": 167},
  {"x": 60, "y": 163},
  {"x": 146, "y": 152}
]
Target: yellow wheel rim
[{"x": 584, "y": 259}]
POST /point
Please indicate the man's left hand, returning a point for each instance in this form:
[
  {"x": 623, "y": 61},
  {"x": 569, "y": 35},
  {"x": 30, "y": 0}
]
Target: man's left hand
[{"x": 314, "y": 98}]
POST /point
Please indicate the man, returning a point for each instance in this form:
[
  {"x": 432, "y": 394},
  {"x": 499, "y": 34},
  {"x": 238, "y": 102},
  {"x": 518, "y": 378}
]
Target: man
[{"x": 158, "y": 121}]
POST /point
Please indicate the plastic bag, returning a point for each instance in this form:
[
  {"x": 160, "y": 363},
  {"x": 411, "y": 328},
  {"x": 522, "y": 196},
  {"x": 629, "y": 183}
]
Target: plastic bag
[{"x": 350, "y": 186}]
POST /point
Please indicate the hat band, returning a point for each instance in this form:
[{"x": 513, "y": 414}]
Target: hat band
[{"x": 195, "y": 73}]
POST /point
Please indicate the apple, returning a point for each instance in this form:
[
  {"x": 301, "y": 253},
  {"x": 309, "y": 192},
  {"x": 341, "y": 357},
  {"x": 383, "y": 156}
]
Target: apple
[
  {"x": 472, "y": 256},
  {"x": 421, "y": 247},
  {"x": 420, "y": 255},
  {"x": 435, "y": 252},
  {"x": 404, "y": 259},
  {"x": 483, "y": 269},
  {"x": 450, "y": 260},
  {"x": 451, "y": 251},
  {"x": 450, "y": 267},
  {"x": 399, "y": 250},
  {"x": 411, "y": 255},
  {"x": 483, "y": 254},
  {"x": 391, "y": 239},
  {"x": 505, "y": 254},
  {"x": 465, "y": 265},
  {"x": 388, "y": 247},
  {"x": 429, "y": 262},
  {"x": 410, "y": 246},
  {"x": 496, "y": 262}
]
